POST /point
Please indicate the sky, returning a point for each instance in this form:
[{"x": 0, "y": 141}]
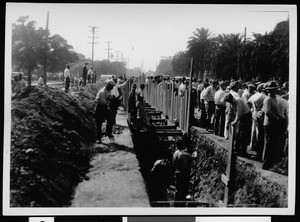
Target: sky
[{"x": 144, "y": 33}]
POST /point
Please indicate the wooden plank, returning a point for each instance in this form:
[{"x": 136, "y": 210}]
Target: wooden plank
[
  {"x": 225, "y": 179},
  {"x": 230, "y": 168},
  {"x": 159, "y": 127},
  {"x": 168, "y": 133}
]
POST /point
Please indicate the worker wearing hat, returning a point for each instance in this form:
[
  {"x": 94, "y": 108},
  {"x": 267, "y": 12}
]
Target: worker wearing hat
[
  {"x": 102, "y": 110},
  {"x": 257, "y": 133},
  {"x": 220, "y": 107},
  {"x": 272, "y": 121},
  {"x": 209, "y": 101},
  {"x": 248, "y": 91}
]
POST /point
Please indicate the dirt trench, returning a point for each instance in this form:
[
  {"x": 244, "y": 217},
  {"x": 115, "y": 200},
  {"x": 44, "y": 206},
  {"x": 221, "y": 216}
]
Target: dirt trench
[
  {"x": 114, "y": 180},
  {"x": 52, "y": 151}
]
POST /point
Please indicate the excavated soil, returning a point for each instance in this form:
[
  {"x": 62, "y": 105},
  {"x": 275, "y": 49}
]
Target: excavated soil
[{"x": 51, "y": 132}]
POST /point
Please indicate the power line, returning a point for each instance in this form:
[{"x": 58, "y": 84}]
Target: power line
[
  {"x": 93, "y": 31},
  {"x": 108, "y": 49}
]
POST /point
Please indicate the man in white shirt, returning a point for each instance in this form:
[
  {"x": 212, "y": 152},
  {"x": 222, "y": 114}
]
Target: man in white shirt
[
  {"x": 202, "y": 121},
  {"x": 257, "y": 133},
  {"x": 90, "y": 74},
  {"x": 102, "y": 111},
  {"x": 40, "y": 81},
  {"x": 182, "y": 87},
  {"x": 209, "y": 101},
  {"x": 220, "y": 110},
  {"x": 67, "y": 78}
]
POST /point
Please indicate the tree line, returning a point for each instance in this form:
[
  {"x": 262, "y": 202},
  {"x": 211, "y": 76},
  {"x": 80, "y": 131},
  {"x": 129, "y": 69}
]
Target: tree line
[
  {"x": 34, "y": 50},
  {"x": 227, "y": 56}
]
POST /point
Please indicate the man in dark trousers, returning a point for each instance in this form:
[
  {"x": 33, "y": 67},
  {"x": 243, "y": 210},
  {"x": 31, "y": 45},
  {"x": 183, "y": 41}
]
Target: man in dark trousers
[
  {"x": 273, "y": 123},
  {"x": 102, "y": 110},
  {"x": 132, "y": 109},
  {"x": 84, "y": 73},
  {"x": 67, "y": 78},
  {"x": 182, "y": 162}
]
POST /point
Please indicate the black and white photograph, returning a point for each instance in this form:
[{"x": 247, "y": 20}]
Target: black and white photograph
[{"x": 149, "y": 109}]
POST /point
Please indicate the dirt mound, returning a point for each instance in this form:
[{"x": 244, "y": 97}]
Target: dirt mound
[{"x": 50, "y": 135}]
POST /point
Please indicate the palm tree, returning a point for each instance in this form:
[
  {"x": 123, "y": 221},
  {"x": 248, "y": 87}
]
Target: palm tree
[
  {"x": 280, "y": 54},
  {"x": 224, "y": 54},
  {"x": 198, "y": 46}
]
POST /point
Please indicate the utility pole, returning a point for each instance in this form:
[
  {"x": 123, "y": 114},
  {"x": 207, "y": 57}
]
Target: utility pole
[
  {"x": 122, "y": 59},
  {"x": 108, "y": 49},
  {"x": 93, "y": 31},
  {"x": 46, "y": 50},
  {"x": 142, "y": 66},
  {"x": 117, "y": 55}
]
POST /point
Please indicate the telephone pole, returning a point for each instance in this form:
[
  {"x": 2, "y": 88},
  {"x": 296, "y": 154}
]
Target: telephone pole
[
  {"x": 108, "y": 49},
  {"x": 122, "y": 59},
  {"x": 142, "y": 66},
  {"x": 117, "y": 55},
  {"x": 93, "y": 31}
]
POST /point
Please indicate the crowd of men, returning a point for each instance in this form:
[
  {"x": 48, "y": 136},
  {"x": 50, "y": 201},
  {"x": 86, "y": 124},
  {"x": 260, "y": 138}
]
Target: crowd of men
[
  {"x": 256, "y": 111},
  {"x": 89, "y": 76}
]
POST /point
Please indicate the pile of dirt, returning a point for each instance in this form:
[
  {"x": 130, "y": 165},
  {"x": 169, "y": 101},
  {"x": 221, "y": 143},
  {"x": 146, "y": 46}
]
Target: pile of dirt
[{"x": 51, "y": 133}]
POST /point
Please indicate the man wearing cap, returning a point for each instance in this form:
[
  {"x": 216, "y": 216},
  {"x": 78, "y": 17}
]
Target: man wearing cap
[
  {"x": 102, "y": 110},
  {"x": 242, "y": 122},
  {"x": 220, "y": 110},
  {"x": 256, "y": 102},
  {"x": 248, "y": 92},
  {"x": 209, "y": 100},
  {"x": 67, "y": 77},
  {"x": 272, "y": 122},
  {"x": 84, "y": 73}
]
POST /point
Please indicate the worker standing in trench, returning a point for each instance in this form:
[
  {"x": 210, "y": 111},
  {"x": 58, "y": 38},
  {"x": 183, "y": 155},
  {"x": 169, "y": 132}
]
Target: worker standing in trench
[
  {"x": 103, "y": 112},
  {"x": 182, "y": 162}
]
